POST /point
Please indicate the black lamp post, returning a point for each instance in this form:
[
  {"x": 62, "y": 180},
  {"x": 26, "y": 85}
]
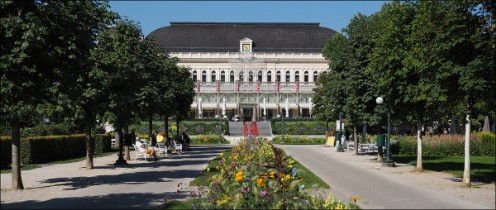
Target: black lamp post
[
  {"x": 389, "y": 161},
  {"x": 120, "y": 160}
]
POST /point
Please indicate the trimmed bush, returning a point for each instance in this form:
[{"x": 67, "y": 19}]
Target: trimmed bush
[
  {"x": 299, "y": 127},
  {"x": 191, "y": 127},
  {"x": 298, "y": 140},
  {"x": 42, "y": 149}
]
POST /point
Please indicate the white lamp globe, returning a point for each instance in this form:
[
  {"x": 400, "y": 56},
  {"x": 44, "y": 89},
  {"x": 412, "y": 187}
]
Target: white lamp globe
[{"x": 379, "y": 100}]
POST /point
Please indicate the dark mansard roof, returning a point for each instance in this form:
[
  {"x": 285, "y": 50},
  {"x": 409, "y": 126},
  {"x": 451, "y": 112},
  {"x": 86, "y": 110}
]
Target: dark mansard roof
[{"x": 225, "y": 37}]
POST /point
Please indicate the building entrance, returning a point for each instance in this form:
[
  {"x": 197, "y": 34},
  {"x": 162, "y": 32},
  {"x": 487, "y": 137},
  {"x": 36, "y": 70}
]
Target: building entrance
[{"x": 247, "y": 114}]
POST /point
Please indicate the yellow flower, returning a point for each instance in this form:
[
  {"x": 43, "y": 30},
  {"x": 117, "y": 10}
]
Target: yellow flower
[
  {"x": 260, "y": 182},
  {"x": 355, "y": 198},
  {"x": 272, "y": 175},
  {"x": 287, "y": 178},
  {"x": 221, "y": 154},
  {"x": 239, "y": 176}
]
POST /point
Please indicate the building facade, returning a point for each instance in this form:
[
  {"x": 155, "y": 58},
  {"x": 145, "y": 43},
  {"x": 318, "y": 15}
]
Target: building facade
[{"x": 255, "y": 71}]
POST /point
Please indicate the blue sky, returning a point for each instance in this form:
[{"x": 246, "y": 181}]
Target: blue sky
[{"x": 155, "y": 14}]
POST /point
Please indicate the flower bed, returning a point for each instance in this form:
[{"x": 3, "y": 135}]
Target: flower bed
[
  {"x": 208, "y": 139},
  {"x": 257, "y": 175}
]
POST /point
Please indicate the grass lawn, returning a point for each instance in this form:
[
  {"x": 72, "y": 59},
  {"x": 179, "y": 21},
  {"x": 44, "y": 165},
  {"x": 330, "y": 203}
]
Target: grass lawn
[
  {"x": 72, "y": 160},
  {"x": 482, "y": 168}
]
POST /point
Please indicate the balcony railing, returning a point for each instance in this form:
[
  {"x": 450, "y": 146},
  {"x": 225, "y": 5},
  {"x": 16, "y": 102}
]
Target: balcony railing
[{"x": 254, "y": 87}]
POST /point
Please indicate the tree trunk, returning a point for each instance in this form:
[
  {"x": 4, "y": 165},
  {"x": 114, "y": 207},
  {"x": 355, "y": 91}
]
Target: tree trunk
[
  {"x": 420, "y": 164},
  {"x": 466, "y": 170},
  {"x": 150, "y": 127},
  {"x": 90, "y": 145},
  {"x": 355, "y": 139},
  {"x": 16, "y": 155},
  {"x": 166, "y": 127},
  {"x": 177, "y": 125},
  {"x": 126, "y": 152},
  {"x": 117, "y": 136}
]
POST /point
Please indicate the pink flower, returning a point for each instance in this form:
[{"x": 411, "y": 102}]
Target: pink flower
[{"x": 263, "y": 193}]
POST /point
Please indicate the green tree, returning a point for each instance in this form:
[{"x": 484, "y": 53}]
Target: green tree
[
  {"x": 348, "y": 88},
  {"x": 158, "y": 70},
  {"x": 77, "y": 92},
  {"x": 42, "y": 42},
  {"x": 119, "y": 69},
  {"x": 184, "y": 96}
]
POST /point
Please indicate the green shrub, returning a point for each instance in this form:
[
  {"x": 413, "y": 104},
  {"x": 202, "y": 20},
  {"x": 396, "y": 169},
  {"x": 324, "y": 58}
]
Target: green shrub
[
  {"x": 191, "y": 127},
  {"x": 208, "y": 139},
  {"x": 299, "y": 127},
  {"x": 45, "y": 130},
  {"x": 297, "y": 140},
  {"x": 42, "y": 149}
]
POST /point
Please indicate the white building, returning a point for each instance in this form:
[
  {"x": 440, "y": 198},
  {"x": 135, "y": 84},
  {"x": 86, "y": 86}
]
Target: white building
[{"x": 252, "y": 66}]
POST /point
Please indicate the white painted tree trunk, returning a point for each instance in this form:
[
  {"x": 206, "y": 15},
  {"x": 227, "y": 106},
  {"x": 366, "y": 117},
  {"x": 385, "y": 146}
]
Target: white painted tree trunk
[
  {"x": 466, "y": 171},
  {"x": 420, "y": 164}
]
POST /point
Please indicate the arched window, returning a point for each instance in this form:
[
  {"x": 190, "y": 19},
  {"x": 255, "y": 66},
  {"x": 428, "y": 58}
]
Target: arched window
[
  {"x": 305, "y": 77},
  {"x": 213, "y": 76},
  {"x": 195, "y": 76},
  {"x": 278, "y": 76},
  {"x": 250, "y": 76},
  {"x": 241, "y": 76},
  {"x": 259, "y": 76},
  {"x": 204, "y": 76},
  {"x": 297, "y": 76},
  {"x": 315, "y": 75},
  {"x": 269, "y": 76},
  {"x": 287, "y": 76},
  {"x": 231, "y": 76},
  {"x": 223, "y": 76}
]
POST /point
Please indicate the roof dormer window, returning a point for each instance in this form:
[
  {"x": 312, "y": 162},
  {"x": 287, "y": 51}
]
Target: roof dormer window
[{"x": 246, "y": 45}]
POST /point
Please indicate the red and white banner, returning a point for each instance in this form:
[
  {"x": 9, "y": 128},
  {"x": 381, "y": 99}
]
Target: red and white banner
[
  {"x": 277, "y": 87},
  {"x": 258, "y": 87},
  {"x": 237, "y": 86},
  {"x": 218, "y": 87},
  {"x": 197, "y": 87},
  {"x": 297, "y": 87}
]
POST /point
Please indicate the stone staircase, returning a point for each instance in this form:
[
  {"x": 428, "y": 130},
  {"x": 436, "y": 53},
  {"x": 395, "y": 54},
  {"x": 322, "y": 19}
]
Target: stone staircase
[
  {"x": 264, "y": 129},
  {"x": 236, "y": 128}
]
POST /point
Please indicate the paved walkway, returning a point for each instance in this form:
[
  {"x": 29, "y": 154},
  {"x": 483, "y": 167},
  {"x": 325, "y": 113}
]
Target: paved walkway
[
  {"x": 144, "y": 185},
  {"x": 138, "y": 185},
  {"x": 389, "y": 188}
]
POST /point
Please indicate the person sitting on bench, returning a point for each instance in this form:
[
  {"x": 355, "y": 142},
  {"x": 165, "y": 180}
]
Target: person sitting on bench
[{"x": 149, "y": 150}]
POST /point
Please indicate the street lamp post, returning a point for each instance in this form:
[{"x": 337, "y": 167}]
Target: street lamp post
[
  {"x": 389, "y": 161},
  {"x": 340, "y": 148}
]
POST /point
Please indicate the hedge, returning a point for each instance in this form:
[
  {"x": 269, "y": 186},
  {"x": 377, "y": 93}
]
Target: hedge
[
  {"x": 299, "y": 127},
  {"x": 42, "y": 149},
  {"x": 298, "y": 140},
  {"x": 191, "y": 127}
]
